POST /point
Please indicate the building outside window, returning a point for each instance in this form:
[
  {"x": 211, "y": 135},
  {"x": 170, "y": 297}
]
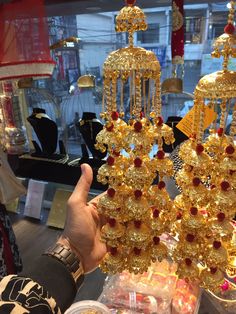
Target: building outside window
[
  {"x": 193, "y": 30},
  {"x": 217, "y": 24},
  {"x": 152, "y": 34}
]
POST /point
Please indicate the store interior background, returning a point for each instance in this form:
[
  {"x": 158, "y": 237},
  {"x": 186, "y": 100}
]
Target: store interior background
[{"x": 93, "y": 23}]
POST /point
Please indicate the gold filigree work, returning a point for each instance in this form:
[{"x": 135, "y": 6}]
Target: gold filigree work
[{"x": 177, "y": 18}]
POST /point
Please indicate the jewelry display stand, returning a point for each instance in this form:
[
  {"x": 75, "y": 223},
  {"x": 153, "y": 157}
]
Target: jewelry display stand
[{"x": 46, "y": 132}]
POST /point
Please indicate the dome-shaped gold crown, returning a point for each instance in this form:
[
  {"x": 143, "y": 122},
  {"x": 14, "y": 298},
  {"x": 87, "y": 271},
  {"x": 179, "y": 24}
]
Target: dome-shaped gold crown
[
  {"x": 132, "y": 65},
  {"x": 221, "y": 84},
  {"x": 131, "y": 18}
]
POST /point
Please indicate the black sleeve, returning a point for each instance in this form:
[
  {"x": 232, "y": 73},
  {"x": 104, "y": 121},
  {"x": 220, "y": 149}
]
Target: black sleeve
[
  {"x": 23, "y": 295},
  {"x": 54, "y": 277}
]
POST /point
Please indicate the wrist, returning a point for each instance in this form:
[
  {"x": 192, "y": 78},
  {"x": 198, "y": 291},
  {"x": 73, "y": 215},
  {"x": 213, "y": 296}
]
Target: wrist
[
  {"x": 87, "y": 261},
  {"x": 63, "y": 240},
  {"x": 63, "y": 252}
]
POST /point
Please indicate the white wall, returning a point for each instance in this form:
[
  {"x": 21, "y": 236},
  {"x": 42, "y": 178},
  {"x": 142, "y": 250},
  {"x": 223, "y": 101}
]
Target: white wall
[
  {"x": 94, "y": 54},
  {"x": 161, "y": 19},
  {"x": 96, "y": 27},
  {"x": 98, "y": 38}
]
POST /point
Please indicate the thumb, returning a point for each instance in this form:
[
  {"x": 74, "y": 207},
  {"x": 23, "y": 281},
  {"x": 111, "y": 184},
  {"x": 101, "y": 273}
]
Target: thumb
[{"x": 81, "y": 190}]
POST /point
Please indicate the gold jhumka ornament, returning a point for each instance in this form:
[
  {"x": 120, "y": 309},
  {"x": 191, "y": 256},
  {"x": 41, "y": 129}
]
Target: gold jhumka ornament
[
  {"x": 206, "y": 250},
  {"x": 137, "y": 212}
]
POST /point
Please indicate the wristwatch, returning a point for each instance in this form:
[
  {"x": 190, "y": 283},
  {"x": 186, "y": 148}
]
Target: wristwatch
[{"x": 66, "y": 256}]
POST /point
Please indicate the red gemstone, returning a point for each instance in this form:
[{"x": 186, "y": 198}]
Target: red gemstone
[
  {"x": 118, "y": 209},
  {"x": 229, "y": 28},
  {"x": 229, "y": 150},
  {"x": 138, "y": 126},
  {"x": 179, "y": 216},
  {"x": 199, "y": 149},
  {"x": 160, "y": 154},
  {"x": 111, "y": 192},
  {"x": 190, "y": 237},
  {"x": 137, "y": 224},
  {"x": 220, "y": 131},
  {"x": 137, "y": 251},
  {"x": 216, "y": 245},
  {"x": 138, "y": 162},
  {"x": 161, "y": 185},
  {"x": 221, "y": 217},
  {"x": 231, "y": 172},
  {"x": 188, "y": 261},
  {"x": 160, "y": 121},
  {"x": 110, "y": 127},
  {"x": 110, "y": 161},
  {"x": 194, "y": 210},
  {"x": 224, "y": 185},
  {"x": 141, "y": 115},
  {"x": 196, "y": 181},
  {"x": 115, "y": 115},
  {"x": 156, "y": 240},
  {"x": 113, "y": 251},
  {"x": 213, "y": 186},
  {"x": 112, "y": 222},
  {"x": 130, "y": 2},
  {"x": 138, "y": 193},
  {"x": 213, "y": 270},
  {"x": 155, "y": 213}
]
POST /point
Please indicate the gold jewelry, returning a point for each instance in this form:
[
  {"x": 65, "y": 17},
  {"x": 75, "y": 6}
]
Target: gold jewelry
[{"x": 131, "y": 203}]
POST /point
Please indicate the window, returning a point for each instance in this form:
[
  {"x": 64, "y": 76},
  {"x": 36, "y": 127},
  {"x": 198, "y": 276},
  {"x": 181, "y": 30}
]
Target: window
[
  {"x": 193, "y": 30},
  {"x": 217, "y": 24},
  {"x": 151, "y": 35}
]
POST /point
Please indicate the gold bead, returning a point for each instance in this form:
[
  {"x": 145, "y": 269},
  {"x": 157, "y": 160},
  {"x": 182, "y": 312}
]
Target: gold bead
[{"x": 152, "y": 115}]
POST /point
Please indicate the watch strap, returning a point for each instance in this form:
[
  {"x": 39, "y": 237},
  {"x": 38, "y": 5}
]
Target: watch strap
[{"x": 66, "y": 256}]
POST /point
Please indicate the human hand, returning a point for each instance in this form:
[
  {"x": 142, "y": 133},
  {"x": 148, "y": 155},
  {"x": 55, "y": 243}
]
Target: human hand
[{"x": 83, "y": 224}]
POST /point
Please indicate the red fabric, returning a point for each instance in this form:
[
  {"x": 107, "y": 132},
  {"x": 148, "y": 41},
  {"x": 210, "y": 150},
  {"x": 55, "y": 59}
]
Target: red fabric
[
  {"x": 177, "y": 39},
  {"x": 24, "y": 34},
  {"x": 7, "y": 253}
]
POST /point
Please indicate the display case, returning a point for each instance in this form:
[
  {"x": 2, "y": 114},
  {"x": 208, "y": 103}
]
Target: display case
[{"x": 157, "y": 291}]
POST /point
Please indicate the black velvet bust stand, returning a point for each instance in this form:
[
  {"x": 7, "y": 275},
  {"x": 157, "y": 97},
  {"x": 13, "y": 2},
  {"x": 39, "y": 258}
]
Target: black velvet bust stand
[
  {"x": 46, "y": 131},
  {"x": 89, "y": 127}
]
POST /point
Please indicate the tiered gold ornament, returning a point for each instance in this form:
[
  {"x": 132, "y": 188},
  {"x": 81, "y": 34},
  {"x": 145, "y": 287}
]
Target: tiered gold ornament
[
  {"x": 137, "y": 212},
  {"x": 206, "y": 251}
]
